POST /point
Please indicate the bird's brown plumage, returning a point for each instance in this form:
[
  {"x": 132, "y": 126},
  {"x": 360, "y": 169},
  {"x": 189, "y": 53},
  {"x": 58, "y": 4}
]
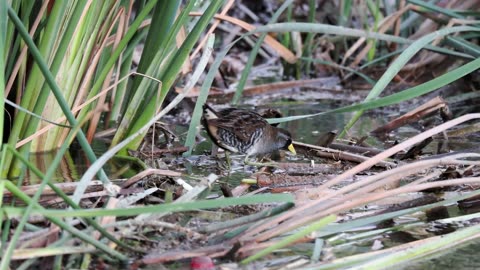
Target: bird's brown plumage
[{"x": 244, "y": 131}]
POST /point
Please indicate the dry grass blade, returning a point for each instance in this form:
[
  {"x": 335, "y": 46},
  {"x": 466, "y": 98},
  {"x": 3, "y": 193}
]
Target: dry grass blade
[
  {"x": 76, "y": 109},
  {"x": 385, "y": 25},
  {"x": 429, "y": 107},
  {"x": 342, "y": 155},
  {"x": 380, "y": 254},
  {"x": 88, "y": 48},
  {"x": 257, "y": 89},
  {"x": 132, "y": 180},
  {"x": 212, "y": 28},
  {"x": 303, "y": 212},
  {"x": 23, "y": 54},
  {"x": 270, "y": 41},
  {"x": 361, "y": 192},
  {"x": 28, "y": 253},
  {"x": 65, "y": 187},
  {"x": 118, "y": 24},
  {"x": 399, "y": 147}
]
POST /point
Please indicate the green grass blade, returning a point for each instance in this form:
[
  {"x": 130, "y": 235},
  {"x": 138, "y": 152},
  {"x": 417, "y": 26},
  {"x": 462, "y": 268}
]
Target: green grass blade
[
  {"x": 292, "y": 238},
  {"x": 163, "y": 208},
  {"x": 308, "y": 43},
  {"x": 55, "y": 89},
  {"x": 306, "y": 27},
  {"x": 3, "y": 37},
  {"x": 464, "y": 45},
  {"x": 428, "y": 247},
  {"x": 2, "y": 217},
  {"x": 412, "y": 18},
  {"x": 4, "y": 232},
  {"x": 184, "y": 50},
  {"x": 350, "y": 32},
  {"x": 132, "y": 30},
  {"x": 254, "y": 52},
  {"x": 77, "y": 62},
  {"x": 33, "y": 202},
  {"x": 436, "y": 9},
  {"x": 335, "y": 65},
  {"x": 410, "y": 93},
  {"x": 345, "y": 11},
  {"x": 399, "y": 63},
  {"x": 32, "y": 92},
  {"x": 328, "y": 29},
  {"x": 375, "y": 10},
  {"x": 201, "y": 99},
  {"x": 41, "y": 101},
  {"x": 161, "y": 25},
  {"x": 71, "y": 229},
  {"x": 171, "y": 72},
  {"x": 88, "y": 175},
  {"x": 351, "y": 225},
  {"x": 381, "y": 58},
  {"x": 147, "y": 90},
  {"x": 63, "y": 196}
]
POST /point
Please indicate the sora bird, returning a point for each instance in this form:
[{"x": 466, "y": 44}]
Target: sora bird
[{"x": 244, "y": 132}]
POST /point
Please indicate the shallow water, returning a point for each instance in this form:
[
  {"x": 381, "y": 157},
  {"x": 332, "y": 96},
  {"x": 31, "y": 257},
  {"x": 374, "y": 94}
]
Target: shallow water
[
  {"x": 307, "y": 130},
  {"x": 464, "y": 257}
]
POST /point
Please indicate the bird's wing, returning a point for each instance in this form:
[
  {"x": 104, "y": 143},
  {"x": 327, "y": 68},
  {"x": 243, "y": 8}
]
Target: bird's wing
[{"x": 241, "y": 123}]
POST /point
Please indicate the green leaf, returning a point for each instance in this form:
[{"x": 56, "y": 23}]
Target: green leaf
[{"x": 163, "y": 208}]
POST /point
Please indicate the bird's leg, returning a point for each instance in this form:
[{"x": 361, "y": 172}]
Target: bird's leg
[{"x": 227, "y": 157}]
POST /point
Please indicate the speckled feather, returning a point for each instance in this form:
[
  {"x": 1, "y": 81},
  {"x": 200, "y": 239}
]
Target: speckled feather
[{"x": 243, "y": 131}]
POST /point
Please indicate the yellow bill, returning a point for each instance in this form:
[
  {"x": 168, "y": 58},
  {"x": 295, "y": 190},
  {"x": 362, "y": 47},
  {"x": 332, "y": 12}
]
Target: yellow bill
[{"x": 292, "y": 149}]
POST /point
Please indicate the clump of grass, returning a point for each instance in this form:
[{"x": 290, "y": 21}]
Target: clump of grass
[{"x": 84, "y": 51}]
